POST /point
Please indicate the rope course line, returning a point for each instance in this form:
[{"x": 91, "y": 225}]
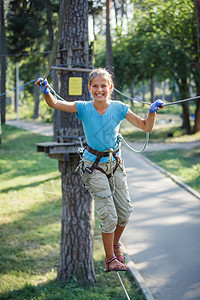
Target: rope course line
[
  {"x": 25, "y": 54},
  {"x": 21, "y": 85},
  {"x": 125, "y": 291},
  {"x": 165, "y": 104}
]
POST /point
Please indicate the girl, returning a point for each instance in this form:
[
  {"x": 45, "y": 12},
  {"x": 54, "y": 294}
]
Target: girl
[{"x": 103, "y": 169}]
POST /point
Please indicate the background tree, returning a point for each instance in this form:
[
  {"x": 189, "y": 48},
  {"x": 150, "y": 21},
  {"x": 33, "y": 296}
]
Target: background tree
[
  {"x": 3, "y": 64},
  {"x": 197, "y": 66},
  {"x": 29, "y": 31},
  {"x": 109, "y": 55}
]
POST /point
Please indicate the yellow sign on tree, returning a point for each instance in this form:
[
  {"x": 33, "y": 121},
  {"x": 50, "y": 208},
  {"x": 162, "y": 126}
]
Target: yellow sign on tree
[{"x": 75, "y": 86}]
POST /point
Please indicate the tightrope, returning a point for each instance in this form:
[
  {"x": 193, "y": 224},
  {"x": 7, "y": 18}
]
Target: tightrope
[
  {"x": 125, "y": 291},
  {"x": 165, "y": 104}
]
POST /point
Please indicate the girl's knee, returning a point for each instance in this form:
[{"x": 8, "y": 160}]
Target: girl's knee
[{"x": 108, "y": 226}]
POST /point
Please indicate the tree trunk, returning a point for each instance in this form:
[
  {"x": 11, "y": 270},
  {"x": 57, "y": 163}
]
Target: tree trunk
[
  {"x": 109, "y": 55},
  {"x": 3, "y": 64},
  {"x": 76, "y": 255},
  {"x": 152, "y": 88},
  {"x": 116, "y": 12},
  {"x": 49, "y": 16},
  {"x": 77, "y": 212},
  {"x": 36, "y": 100},
  {"x": 184, "y": 92},
  {"x": 143, "y": 93},
  {"x": 197, "y": 111},
  {"x": 132, "y": 93},
  {"x": 163, "y": 90}
]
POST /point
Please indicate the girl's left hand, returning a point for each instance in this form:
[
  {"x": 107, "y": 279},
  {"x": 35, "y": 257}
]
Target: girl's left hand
[
  {"x": 44, "y": 86},
  {"x": 156, "y": 106}
]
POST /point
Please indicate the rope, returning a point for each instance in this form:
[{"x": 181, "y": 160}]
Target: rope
[
  {"x": 134, "y": 99},
  {"x": 181, "y": 101},
  {"x": 23, "y": 85},
  {"x": 165, "y": 104},
  {"x": 125, "y": 291},
  {"x": 58, "y": 34},
  {"x": 134, "y": 150}
]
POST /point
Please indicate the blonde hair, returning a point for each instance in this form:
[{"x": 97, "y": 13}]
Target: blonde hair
[{"x": 101, "y": 72}]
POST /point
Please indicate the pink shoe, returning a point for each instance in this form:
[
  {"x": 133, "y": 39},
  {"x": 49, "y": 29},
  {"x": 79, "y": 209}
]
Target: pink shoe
[{"x": 116, "y": 268}]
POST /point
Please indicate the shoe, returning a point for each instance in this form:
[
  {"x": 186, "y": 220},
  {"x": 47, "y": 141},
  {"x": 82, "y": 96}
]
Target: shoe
[{"x": 116, "y": 268}]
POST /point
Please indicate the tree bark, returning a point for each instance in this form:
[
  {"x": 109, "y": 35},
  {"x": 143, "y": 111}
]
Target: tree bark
[
  {"x": 49, "y": 16},
  {"x": 76, "y": 258},
  {"x": 36, "y": 100},
  {"x": 184, "y": 92},
  {"x": 132, "y": 94},
  {"x": 76, "y": 255},
  {"x": 197, "y": 111},
  {"x": 3, "y": 64},
  {"x": 109, "y": 55},
  {"x": 152, "y": 88}
]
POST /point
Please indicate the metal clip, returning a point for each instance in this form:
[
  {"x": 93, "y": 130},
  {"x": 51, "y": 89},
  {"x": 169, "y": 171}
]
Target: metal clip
[{"x": 80, "y": 150}]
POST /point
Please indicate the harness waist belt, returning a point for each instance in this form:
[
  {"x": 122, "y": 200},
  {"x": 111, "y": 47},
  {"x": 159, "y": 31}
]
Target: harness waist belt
[{"x": 100, "y": 153}]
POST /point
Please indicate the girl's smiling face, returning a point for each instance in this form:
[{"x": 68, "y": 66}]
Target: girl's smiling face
[{"x": 100, "y": 89}]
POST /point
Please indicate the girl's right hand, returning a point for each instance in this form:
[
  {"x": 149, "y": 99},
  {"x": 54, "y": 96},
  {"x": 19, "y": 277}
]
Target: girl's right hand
[
  {"x": 156, "y": 105},
  {"x": 44, "y": 86}
]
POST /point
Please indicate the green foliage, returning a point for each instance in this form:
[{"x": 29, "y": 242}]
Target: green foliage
[
  {"x": 27, "y": 36},
  {"x": 161, "y": 42},
  {"x": 24, "y": 24}
]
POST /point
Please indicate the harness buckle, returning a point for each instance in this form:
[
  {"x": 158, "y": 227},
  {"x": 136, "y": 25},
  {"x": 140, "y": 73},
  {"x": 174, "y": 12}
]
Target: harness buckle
[
  {"x": 87, "y": 169},
  {"x": 110, "y": 154}
]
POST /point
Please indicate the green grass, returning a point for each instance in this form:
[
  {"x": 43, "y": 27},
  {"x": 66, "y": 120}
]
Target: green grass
[
  {"x": 30, "y": 225},
  {"x": 183, "y": 163}
]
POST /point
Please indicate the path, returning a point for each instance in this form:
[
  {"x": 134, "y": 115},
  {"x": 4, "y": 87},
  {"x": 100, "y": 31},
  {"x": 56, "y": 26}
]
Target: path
[
  {"x": 41, "y": 128},
  {"x": 163, "y": 235}
]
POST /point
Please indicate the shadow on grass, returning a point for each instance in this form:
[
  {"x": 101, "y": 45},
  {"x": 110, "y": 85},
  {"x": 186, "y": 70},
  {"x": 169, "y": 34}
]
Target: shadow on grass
[
  {"x": 30, "y": 185},
  {"x": 51, "y": 290},
  {"x": 106, "y": 287}
]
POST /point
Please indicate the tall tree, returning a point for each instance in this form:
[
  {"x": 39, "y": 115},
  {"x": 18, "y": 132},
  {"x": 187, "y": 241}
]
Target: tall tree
[
  {"x": 76, "y": 254},
  {"x": 3, "y": 64},
  {"x": 109, "y": 55},
  {"x": 197, "y": 111}
]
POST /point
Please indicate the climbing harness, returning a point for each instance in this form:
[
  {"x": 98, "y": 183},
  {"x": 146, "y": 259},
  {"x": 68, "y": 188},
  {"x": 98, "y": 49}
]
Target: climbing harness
[{"x": 87, "y": 172}]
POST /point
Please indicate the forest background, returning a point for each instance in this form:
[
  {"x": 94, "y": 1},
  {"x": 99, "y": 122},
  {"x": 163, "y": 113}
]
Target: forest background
[{"x": 153, "y": 51}]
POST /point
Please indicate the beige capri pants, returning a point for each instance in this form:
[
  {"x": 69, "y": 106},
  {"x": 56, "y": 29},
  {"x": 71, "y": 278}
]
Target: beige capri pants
[{"x": 115, "y": 209}]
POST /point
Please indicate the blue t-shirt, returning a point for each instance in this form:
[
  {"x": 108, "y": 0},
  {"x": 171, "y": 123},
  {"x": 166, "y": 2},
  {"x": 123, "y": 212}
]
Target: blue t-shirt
[{"x": 101, "y": 131}]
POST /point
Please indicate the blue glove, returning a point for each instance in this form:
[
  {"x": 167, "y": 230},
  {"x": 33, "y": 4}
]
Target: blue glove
[
  {"x": 155, "y": 106},
  {"x": 44, "y": 87}
]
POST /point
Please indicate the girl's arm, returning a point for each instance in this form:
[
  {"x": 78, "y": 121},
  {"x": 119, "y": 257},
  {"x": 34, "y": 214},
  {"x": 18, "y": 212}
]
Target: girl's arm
[
  {"x": 144, "y": 124},
  {"x": 52, "y": 101},
  {"x": 147, "y": 123}
]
